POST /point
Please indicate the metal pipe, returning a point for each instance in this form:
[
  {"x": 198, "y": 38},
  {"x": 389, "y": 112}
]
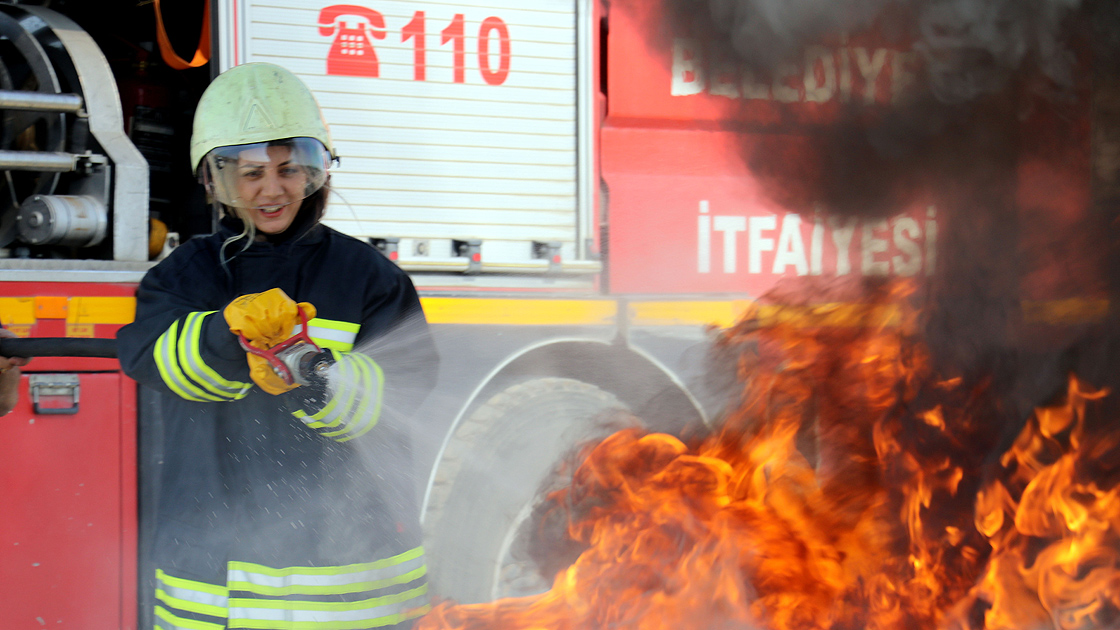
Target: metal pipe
[
  {"x": 40, "y": 101},
  {"x": 58, "y": 347},
  {"x": 47, "y": 161}
]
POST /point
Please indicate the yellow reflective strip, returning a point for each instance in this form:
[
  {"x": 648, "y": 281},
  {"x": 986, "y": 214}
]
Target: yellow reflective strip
[
  {"x": 17, "y": 310},
  {"x": 184, "y": 343},
  {"x": 440, "y": 310},
  {"x": 1071, "y": 311},
  {"x": 242, "y": 388},
  {"x": 332, "y": 589},
  {"x": 404, "y": 556},
  {"x": 192, "y": 585},
  {"x": 164, "y": 354},
  {"x": 356, "y": 387},
  {"x": 289, "y": 604},
  {"x": 687, "y": 313},
  {"x": 376, "y": 414},
  {"x": 835, "y": 314},
  {"x": 361, "y": 414},
  {"x": 331, "y": 344},
  {"x": 334, "y": 324},
  {"x": 360, "y": 624},
  {"x": 101, "y": 310},
  {"x": 726, "y": 313},
  {"x": 188, "y": 605},
  {"x": 188, "y": 624},
  {"x": 316, "y": 420}
]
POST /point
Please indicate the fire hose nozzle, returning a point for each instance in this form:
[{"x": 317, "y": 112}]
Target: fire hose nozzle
[
  {"x": 307, "y": 363},
  {"x": 297, "y": 360}
]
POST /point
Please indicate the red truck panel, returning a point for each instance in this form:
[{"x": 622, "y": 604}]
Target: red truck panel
[
  {"x": 69, "y": 496},
  {"x": 688, "y": 215}
]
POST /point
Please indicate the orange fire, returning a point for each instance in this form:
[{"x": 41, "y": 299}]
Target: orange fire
[{"x": 852, "y": 487}]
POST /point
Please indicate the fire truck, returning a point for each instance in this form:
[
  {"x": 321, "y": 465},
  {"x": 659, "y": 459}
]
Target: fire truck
[{"x": 575, "y": 190}]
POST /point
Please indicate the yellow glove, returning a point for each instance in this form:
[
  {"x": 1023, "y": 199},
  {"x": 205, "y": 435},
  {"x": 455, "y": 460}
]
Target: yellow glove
[
  {"x": 266, "y": 318},
  {"x": 265, "y": 377}
]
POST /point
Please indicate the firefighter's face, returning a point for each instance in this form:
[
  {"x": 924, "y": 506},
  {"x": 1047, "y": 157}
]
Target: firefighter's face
[{"x": 272, "y": 185}]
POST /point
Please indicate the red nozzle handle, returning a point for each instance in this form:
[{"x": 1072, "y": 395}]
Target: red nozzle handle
[{"x": 269, "y": 355}]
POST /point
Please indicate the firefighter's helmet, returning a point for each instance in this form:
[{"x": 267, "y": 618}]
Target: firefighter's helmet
[{"x": 244, "y": 113}]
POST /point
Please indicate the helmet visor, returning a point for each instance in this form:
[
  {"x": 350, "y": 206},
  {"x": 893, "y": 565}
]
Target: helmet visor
[{"x": 266, "y": 174}]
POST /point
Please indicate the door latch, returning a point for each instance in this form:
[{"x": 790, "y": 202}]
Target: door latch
[{"x": 54, "y": 385}]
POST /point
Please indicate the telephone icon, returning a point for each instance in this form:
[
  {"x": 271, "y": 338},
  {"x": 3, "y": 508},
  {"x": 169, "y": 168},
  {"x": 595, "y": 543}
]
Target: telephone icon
[{"x": 352, "y": 26}]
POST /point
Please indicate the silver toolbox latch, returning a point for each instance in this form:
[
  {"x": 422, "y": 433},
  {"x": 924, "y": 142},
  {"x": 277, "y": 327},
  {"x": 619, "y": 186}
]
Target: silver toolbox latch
[{"x": 54, "y": 385}]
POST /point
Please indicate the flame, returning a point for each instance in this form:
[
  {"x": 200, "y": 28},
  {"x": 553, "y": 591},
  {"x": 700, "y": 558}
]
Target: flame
[{"x": 852, "y": 487}]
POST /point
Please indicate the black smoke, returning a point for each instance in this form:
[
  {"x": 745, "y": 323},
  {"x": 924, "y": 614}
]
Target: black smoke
[{"x": 1001, "y": 86}]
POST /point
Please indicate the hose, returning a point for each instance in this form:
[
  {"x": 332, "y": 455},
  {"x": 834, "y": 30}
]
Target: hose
[{"x": 58, "y": 347}]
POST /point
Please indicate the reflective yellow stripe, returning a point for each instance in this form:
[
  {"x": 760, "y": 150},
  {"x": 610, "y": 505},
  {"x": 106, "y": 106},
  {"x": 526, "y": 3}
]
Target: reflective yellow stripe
[
  {"x": 193, "y": 585},
  {"x": 166, "y": 357},
  {"x": 519, "y": 311},
  {"x": 329, "y": 333},
  {"x": 187, "y": 624},
  {"x": 333, "y": 409},
  {"x": 101, "y": 310},
  {"x": 724, "y": 314},
  {"x": 87, "y": 310},
  {"x": 334, "y": 324},
  {"x": 1071, "y": 311},
  {"x": 370, "y": 417},
  {"x": 359, "y": 624},
  {"x": 373, "y": 612},
  {"x": 184, "y": 342},
  {"x": 720, "y": 313},
  {"x": 329, "y": 589},
  {"x": 404, "y": 556},
  {"x": 288, "y": 604},
  {"x": 188, "y": 605},
  {"x": 17, "y": 310}
]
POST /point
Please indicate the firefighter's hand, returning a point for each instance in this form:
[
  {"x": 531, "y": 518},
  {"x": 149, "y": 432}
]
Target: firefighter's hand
[
  {"x": 265, "y": 377},
  {"x": 265, "y": 319}
]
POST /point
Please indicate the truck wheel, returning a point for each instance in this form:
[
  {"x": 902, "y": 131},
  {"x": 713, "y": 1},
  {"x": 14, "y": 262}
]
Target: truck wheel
[{"x": 499, "y": 462}]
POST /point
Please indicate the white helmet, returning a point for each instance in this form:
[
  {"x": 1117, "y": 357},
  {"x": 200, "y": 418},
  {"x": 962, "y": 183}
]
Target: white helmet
[{"x": 245, "y": 112}]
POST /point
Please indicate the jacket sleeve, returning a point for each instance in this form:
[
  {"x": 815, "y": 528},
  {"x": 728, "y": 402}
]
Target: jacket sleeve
[
  {"x": 384, "y": 377},
  {"x": 179, "y": 343}
]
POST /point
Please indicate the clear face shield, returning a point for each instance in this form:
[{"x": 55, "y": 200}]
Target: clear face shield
[{"x": 266, "y": 174}]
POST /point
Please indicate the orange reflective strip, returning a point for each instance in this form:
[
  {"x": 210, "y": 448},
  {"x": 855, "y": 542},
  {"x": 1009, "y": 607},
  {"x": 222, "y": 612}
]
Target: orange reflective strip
[{"x": 51, "y": 306}]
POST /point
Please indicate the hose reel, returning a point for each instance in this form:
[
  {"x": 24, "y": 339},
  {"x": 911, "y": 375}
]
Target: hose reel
[{"x": 69, "y": 171}]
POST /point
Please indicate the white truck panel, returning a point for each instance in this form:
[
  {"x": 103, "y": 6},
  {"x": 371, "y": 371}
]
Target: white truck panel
[{"x": 430, "y": 160}]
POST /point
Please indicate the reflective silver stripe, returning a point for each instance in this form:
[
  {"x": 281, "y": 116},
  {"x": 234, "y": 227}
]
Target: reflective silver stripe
[
  {"x": 319, "y": 584},
  {"x": 350, "y": 383},
  {"x": 327, "y": 333},
  {"x": 191, "y": 360},
  {"x": 167, "y": 362},
  {"x": 374, "y": 612},
  {"x": 339, "y": 408},
  {"x": 200, "y": 598},
  {"x": 372, "y": 389},
  {"x": 338, "y": 339}
]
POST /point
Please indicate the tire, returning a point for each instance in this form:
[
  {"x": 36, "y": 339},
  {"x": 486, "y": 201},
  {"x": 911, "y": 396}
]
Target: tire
[{"x": 499, "y": 463}]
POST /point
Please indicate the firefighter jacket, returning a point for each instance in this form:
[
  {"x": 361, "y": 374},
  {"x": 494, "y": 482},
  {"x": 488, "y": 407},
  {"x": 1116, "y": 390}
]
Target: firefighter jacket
[{"x": 289, "y": 510}]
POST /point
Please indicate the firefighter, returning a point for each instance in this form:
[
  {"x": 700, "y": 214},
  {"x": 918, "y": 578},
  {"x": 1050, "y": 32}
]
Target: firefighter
[{"x": 280, "y": 505}]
